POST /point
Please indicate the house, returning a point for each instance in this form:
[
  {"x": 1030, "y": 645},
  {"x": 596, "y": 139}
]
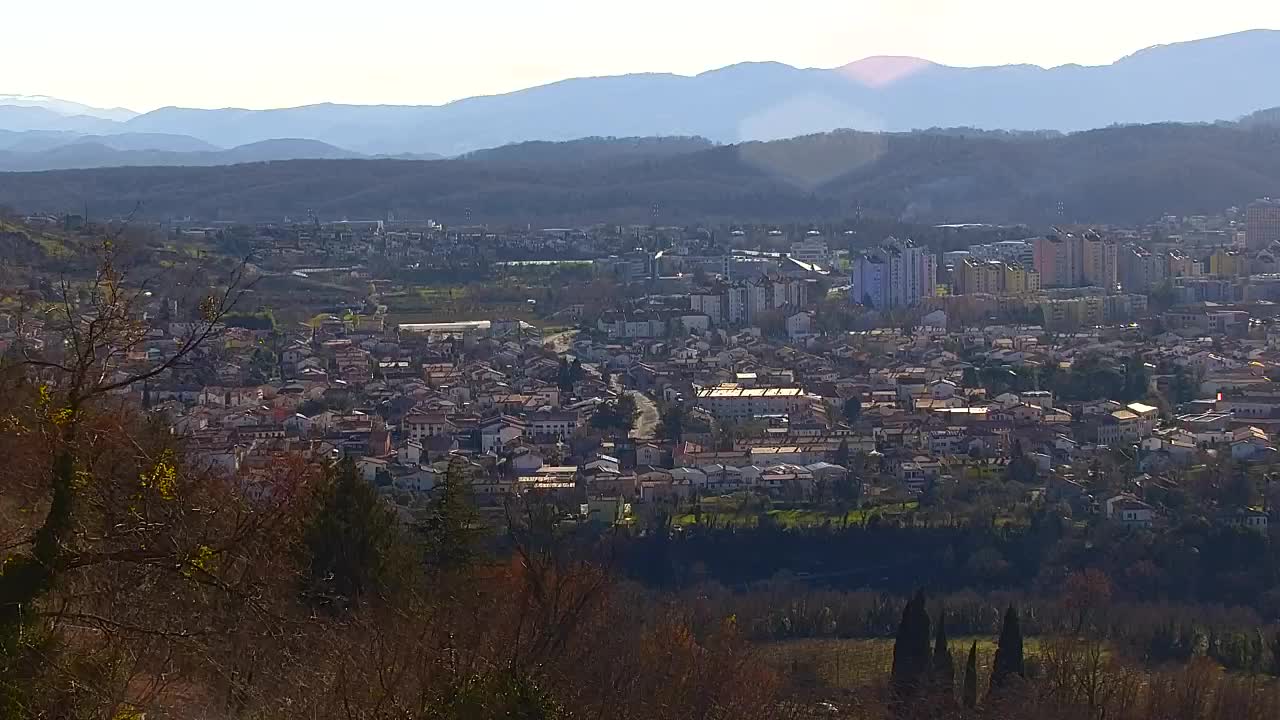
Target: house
[
  {"x": 787, "y": 481},
  {"x": 1250, "y": 443},
  {"x": 371, "y": 469},
  {"x": 605, "y": 510},
  {"x": 526, "y": 461},
  {"x": 1118, "y": 428},
  {"x": 799, "y": 325},
  {"x": 558, "y": 425},
  {"x": 499, "y": 431},
  {"x": 651, "y": 454},
  {"x": 410, "y": 453},
  {"x": 1246, "y": 518},
  {"x": 942, "y": 389},
  {"x": 1129, "y": 511},
  {"x": 422, "y": 426}
]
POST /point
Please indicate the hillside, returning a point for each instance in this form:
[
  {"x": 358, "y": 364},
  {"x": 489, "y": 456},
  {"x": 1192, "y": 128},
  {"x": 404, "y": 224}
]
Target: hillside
[
  {"x": 1122, "y": 174},
  {"x": 1199, "y": 81},
  {"x": 149, "y": 150}
]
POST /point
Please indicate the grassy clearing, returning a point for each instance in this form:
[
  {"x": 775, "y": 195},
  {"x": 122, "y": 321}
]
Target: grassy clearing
[{"x": 734, "y": 513}]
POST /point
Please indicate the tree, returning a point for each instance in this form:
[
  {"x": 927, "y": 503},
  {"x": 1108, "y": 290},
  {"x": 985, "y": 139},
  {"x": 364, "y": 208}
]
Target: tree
[
  {"x": 350, "y": 539},
  {"x": 1008, "y": 662},
  {"x": 943, "y": 666},
  {"x": 1084, "y": 592},
  {"x": 1021, "y": 468},
  {"x": 83, "y": 371},
  {"x": 911, "y": 648},
  {"x": 671, "y": 425},
  {"x": 450, "y": 526},
  {"x": 618, "y": 416},
  {"x": 564, "y": 377},
  {"x": 970, "y": 691},
  {"x": 842, "y": 453},
  {"x": 852, "y": 409}
]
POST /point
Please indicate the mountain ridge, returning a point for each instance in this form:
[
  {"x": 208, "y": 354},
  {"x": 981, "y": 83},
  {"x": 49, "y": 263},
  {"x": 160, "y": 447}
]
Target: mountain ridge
[
  {"x": 1191, "y": 81},
  {"x": 1122, "y": 174}
]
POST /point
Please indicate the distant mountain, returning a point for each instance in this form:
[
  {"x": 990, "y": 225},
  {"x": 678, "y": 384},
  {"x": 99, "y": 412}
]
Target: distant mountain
[
  {"x": 1114, "y": 175},
  {"x": 66, "y": 107},
  {"x": 23, "y": 117},
  {"x": 142, "y": 150},
  {"x": 1198, "y": 81},
  {"x": 1262, "y": 118},
  {"x": 32, "y": 141}
]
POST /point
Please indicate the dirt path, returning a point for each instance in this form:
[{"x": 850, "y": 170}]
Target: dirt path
[{"x": 646, "y": 427}]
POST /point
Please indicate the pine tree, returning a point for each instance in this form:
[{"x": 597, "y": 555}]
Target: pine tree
[
  {"x": 943, "y": 666},
  {"x": 1008, "y": 662},
  {"x": 449, "y": 528},
  {"x": 911, "y": 648},
  {"x": 970, "y": 691},
  {"x": 351, "y": 539}
]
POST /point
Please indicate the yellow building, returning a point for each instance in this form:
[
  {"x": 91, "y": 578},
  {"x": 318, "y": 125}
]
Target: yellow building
[
  {"x": 992, "y": 277},
  {"x": 1019, "y": 280},
  {"x": 1015, "y": 279},
  {"x": 1228, "y": 263}
]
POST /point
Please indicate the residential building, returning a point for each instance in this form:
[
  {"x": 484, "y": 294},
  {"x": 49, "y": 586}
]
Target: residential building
[
  {"x": 897, "y": 274},
  {"x": 1098, "y": 262},
  {"x": 1262, "y": 224},
  {"x": 732, "y": 402},
  {"x": 812, "y": 249},
  {"x": 1228, "y": 263}
]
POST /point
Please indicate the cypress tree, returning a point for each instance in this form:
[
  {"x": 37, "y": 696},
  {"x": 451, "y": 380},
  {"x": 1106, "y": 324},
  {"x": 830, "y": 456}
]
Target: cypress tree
[
  {"x": 350, "y": 539},
  {"x": 943, "y": 666},
  {"x": 449, "y": 529},
  {"x": 970, "y": 692},
  {"x": 1008, "y": 660},
  {"x": 911, "y": 647}
]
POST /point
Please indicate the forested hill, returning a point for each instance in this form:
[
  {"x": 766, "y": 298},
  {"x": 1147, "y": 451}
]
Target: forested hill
[{"x": 1119, "y": 174}]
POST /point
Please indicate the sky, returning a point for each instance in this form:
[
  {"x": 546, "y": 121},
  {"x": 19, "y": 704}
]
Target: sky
[{"x": 144, "y": 54}]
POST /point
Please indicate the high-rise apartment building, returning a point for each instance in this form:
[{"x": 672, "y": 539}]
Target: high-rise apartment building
[
  {"x": 1076, "y": 260},
  {"x": 993, "y": 277},
  {"x": 1098, "y": 262},
  {"x": 1139, "y": 270},
  {"x": 897, "y": 274},
  {"x": 869, "y": 283},
  {"x": 1262, "y": 224},
  {"x": 1057, "y": 259}
]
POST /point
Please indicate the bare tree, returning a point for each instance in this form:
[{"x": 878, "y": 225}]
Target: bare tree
[{"x": 100, "y": 324}]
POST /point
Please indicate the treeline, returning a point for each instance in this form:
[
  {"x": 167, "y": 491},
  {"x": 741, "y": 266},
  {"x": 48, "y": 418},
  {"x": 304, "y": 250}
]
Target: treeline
[
  {"x": 1192, "y": 562},
  {"x": 1118, "y": 175}
]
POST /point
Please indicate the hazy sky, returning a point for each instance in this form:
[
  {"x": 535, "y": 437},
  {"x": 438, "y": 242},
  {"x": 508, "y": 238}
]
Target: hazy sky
[{"x": 145, "y": 54}]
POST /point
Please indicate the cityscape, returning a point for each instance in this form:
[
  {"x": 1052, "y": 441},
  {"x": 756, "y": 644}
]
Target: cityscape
[{"x": 652, "y": 426}]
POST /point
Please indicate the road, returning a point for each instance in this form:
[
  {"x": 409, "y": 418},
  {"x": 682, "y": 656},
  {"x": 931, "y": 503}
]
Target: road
[
  {"x": 646, "y": 427},
  {"x": 560, "y": 342}
]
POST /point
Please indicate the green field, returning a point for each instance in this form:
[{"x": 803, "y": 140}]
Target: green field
[{"x": 735, "y": 513}]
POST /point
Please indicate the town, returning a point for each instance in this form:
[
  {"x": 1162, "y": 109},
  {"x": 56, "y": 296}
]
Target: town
[{"x": 624, "y": 374}]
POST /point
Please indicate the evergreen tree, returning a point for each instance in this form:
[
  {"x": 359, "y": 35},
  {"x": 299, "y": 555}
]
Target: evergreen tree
[
  {"x": 450, "y": 527},
  {"x": 671, "y": 424},
  {"x": 943, "y": 666},
  {"x": 911, "y": 648},
  {"x": 1008, "y": 660},
  {"x": 350, "y": 540},
  {"x": 842, "y": 453},
  {"x": 970, "y": 692},
  {"x": 564, "y": 377},
  {"x": 852, "y": 409}
]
